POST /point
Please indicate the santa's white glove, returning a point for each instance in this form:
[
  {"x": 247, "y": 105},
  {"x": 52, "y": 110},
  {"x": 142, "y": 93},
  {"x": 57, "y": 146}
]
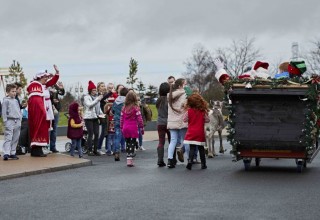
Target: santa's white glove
[{"x": 218, "y": 63}]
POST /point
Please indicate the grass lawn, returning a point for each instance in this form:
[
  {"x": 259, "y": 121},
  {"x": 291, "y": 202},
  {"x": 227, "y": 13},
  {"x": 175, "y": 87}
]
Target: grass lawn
[
  {"x": 63, "y": 120},
  {"x": 154, "y": 112}
]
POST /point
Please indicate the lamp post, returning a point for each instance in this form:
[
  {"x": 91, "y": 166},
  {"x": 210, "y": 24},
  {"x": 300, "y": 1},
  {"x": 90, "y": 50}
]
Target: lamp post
[{"x": 79, "y": 90}]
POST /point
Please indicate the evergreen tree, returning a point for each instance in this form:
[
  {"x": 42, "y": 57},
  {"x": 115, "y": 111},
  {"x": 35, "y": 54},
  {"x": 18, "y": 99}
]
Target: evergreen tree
[
  {"x": 133, "y": 69},
  {"x": 152, "y": 91},
  {"x": 140, "y": 87},
  {"x": 16, "y": 74}
]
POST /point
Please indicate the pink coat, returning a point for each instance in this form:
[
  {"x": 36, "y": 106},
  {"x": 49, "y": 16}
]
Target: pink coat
[{"x": 130, "y": 121}]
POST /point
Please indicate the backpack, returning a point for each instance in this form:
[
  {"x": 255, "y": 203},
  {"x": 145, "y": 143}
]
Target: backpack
[{"x": 147, "y": 112}]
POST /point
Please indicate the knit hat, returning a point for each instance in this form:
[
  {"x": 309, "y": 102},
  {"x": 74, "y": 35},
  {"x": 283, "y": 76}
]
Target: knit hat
[
  {"x": 296, "y": 68},
  {"x": 91, "y": 86}
]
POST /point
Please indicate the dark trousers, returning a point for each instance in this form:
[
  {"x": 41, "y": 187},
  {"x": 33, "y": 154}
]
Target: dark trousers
[
  {"x": 162, "y": 131},
  {"x": 93, "y": 133},
  {"x": 201, "y": 152},
  {"x": 24, "y": 139}
]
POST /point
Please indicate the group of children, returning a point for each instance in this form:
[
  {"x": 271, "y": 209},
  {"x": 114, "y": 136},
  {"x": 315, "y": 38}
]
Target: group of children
[
  {"x": 126, "y": 121},
  {"x": 180, "y": 113}
]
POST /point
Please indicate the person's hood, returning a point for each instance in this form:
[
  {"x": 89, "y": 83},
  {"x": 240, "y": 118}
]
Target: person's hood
[
  {"x": 73, "y": 109},
  {"x": 9, "y": 98},
  {"x": 120, "y": 100},
  {"x": 176, "y": 93}
]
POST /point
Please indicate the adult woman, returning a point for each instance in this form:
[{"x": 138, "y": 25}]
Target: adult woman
[
  {"x": 162, "y": 107},
  {"x": 92, "y": 110},
  {"x": 101, "y": 88},
  {"x": 178, "y": 128},
  {"x": 40, "y": 111}
]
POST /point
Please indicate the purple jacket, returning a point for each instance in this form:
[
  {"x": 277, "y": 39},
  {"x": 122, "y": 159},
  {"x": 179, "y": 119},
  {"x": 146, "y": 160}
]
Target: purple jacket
[{"x": 130, "y": 121}]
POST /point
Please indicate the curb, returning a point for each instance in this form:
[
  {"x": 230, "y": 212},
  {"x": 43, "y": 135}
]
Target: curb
[{"x": 47, "y": 170}]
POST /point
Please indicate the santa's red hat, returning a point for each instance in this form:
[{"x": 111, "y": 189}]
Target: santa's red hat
[
  {"x": 222, "y": 76},
  {"x": 260, "y": 64},
  {"x": 91, "y": 86}
]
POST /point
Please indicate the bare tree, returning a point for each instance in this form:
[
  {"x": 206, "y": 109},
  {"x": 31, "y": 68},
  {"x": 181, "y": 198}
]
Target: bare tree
[
  {"x": 239, "y": 55},
  {"x": 313, "y": 57},
  {"x": 200, "y": 68}
]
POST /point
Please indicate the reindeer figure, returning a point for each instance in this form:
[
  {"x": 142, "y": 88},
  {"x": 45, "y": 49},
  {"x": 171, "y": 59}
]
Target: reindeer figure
[{"x": 215, "y": 124}]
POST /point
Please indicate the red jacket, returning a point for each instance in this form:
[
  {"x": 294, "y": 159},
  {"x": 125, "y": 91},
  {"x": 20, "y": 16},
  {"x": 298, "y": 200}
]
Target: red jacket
[{"x": 195, "y": 133}]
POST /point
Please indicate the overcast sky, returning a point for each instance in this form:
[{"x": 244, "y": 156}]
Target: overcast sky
[{"x": 94, "y": 40}]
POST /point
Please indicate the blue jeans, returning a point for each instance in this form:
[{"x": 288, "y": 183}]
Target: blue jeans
[
  {"x": 110, "y": 143},
  {"x": 102, "y": 136},
  {"x": 175, "y": 134},
  {"x": 76, "y": 143},
  {"x": 117, "y": 140},
  {"x": 140, "y": 138},
  {"x": 53, "y": 133},
  {"x": 123, "y": 143}
]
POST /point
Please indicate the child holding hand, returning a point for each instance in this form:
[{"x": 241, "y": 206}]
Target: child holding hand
[{"x": 196, "y": 116}]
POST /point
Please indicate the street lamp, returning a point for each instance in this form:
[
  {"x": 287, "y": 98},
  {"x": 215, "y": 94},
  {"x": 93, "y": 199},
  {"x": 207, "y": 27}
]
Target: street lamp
[{"x": 79, "y": 90}]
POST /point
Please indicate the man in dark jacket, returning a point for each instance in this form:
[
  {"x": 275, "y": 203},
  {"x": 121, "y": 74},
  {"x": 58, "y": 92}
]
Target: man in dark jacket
[{"x": 55, "y": 91}]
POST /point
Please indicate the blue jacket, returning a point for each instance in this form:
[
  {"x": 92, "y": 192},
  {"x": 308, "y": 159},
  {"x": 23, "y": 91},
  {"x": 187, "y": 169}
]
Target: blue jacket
[{"x": 116, "y": 110}]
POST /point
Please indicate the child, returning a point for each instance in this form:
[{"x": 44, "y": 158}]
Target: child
[
  {"x": 162, "y": 107},
  {"x": 196, "y": 116},
  {"x": 11, "y": 115},
  {"x": 75, "y": 128},
  {"x": 110, "y": 128},
  {"x": 130, "y": 123},
  {"x": 116, "y": 110}
]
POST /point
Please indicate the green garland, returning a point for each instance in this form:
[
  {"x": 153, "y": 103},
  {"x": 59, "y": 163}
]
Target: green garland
[{"x": 312, "y": 116}]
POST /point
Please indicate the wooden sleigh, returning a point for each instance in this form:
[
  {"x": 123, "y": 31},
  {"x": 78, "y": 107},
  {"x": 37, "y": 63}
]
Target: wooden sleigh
[{"x": 267, "y": 122}]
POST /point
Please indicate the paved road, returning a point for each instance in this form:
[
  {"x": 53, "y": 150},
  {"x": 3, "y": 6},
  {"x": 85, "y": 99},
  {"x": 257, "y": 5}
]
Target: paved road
[{"x": 110, "y": 190}]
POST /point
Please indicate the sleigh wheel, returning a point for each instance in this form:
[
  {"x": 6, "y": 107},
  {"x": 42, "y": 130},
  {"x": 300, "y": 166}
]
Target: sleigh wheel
[
  {"x": 305, "y": 163},
  {"x": 247, "y": 163},
  {"x": 258, "y": 160},
  {"x": 299, "y": 166}
]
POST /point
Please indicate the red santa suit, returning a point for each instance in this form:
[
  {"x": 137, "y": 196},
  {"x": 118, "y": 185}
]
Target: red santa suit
[{"x": 39, "y": 110}]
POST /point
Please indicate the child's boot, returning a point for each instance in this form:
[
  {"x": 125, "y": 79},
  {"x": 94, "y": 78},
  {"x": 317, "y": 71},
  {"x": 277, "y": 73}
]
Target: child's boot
[
  {"x": 171, "y": 163},
  {"x": 160, "y": 151},
  {"x": 116, "y": 157},
  {"x": 174, "y": 160},
  {"x": 130, "y": 162},
  {"x": 203, "y": 161},
  {"x": 189, "y": 165}
]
